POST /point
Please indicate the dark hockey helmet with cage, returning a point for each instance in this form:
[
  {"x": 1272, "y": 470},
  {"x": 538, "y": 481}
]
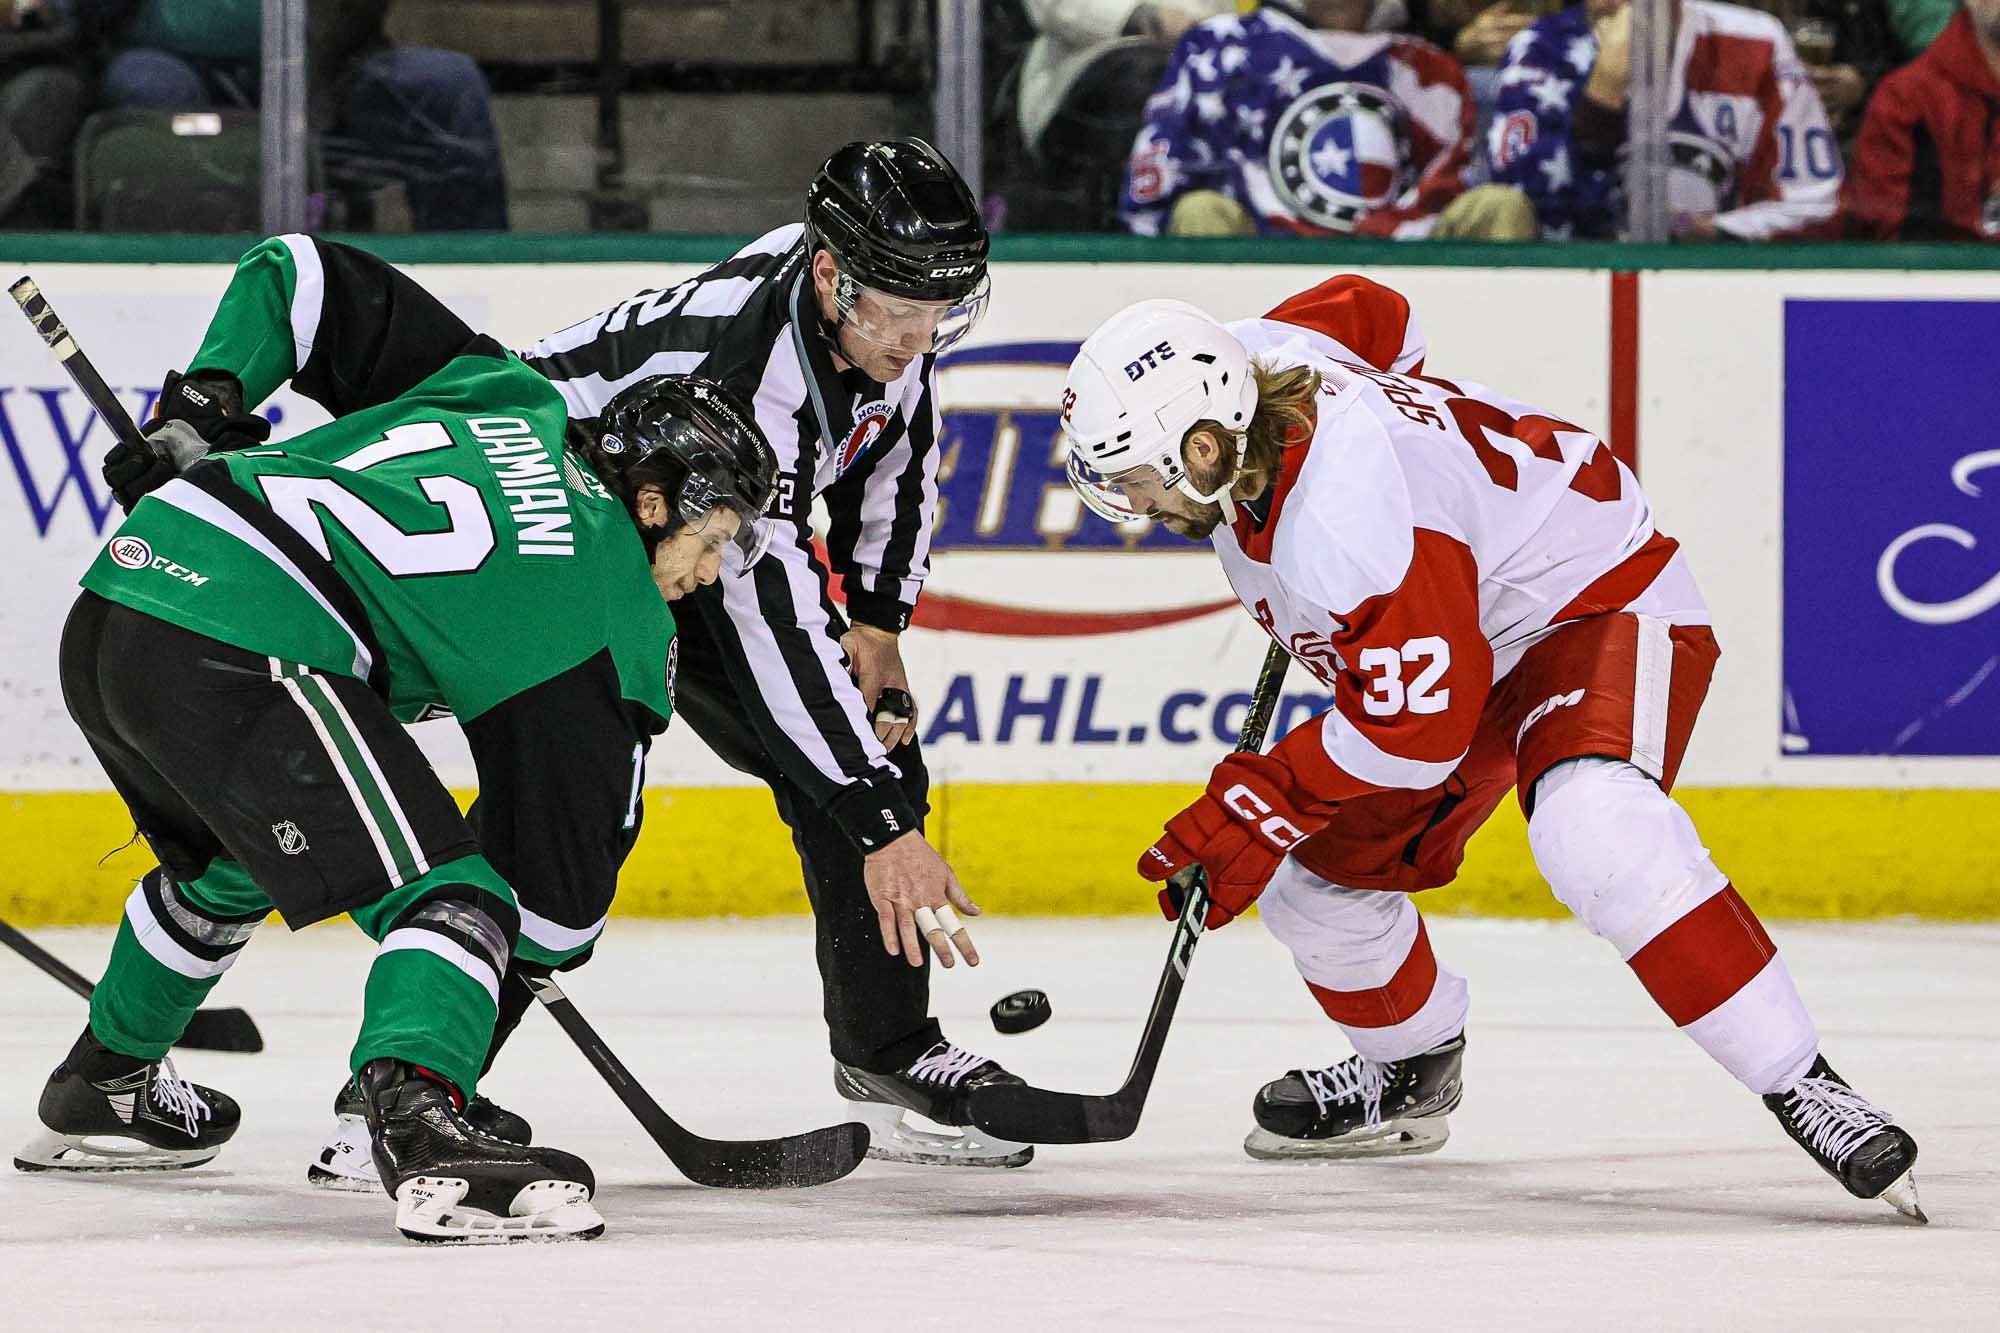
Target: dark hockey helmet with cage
[
  {"x": 898, "y": 217},
  {"x": 700, "y": 444}
]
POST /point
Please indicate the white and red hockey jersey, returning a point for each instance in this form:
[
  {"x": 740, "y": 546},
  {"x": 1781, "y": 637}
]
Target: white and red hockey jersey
[{"x": 1423, "y": 539}]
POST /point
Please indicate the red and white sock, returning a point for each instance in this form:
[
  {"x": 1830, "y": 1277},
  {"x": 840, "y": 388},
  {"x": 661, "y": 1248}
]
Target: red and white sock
[
  {"x": 1625, "y": 857},
  {"x": 1367, "y": 959}
]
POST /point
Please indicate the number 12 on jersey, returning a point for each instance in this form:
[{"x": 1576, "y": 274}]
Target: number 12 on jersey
[{"x": 306, "y": 503}]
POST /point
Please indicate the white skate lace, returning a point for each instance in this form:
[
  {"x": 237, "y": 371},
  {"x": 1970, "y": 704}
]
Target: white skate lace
[
  {"x": 1834, "y": 1119},
  {"x": 946, "y": 1064},
  {"x": 176, "y": 1096},
  {"x": 1355, "y": 1077}
]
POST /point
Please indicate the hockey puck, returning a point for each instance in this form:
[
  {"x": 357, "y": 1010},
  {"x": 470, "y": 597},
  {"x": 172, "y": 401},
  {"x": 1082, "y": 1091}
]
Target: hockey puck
[{"x": 1023, "y": 1011}]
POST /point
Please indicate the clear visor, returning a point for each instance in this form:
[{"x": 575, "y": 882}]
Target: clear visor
[
  {"x": 1130, "y": 495},
  {"x": 899, "y": 324},
  {"x": 725, "y": 521}
]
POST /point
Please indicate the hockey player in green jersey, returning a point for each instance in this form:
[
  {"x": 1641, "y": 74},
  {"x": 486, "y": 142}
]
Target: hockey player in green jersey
[{"x": 250, "y": 639}]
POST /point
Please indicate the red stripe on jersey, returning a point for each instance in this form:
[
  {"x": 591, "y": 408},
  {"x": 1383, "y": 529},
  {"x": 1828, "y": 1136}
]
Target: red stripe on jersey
[
  {"x": 1619, "y": 586},
  {"x": 1759, "y": 180},
  {"x": 1735, "y": 66},
  {"x": 1416, "y": 673},
  {"x": 1412, "y": 710},
  {"x": 1365, "y": 317},
  {"x": 1701, "y": 960},
  {"x": 1388, "y": 1005}
]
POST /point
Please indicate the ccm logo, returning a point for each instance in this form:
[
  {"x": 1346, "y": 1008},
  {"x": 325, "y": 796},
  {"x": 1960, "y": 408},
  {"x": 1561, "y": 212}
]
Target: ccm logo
[
  {"x": 958, "y": 271},
  {"x": 1280, "y": 832},
  {"x": 1149, "y": 359}
]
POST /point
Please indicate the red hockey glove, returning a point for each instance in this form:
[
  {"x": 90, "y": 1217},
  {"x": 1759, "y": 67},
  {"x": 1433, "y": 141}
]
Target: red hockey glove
[{"x": 1251, "y": 815}]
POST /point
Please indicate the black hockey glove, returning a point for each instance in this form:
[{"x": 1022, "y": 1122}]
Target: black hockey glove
[{"x": 210, "y": 407}]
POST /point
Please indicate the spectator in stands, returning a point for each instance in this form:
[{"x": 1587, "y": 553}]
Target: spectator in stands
[
  {"x": 1477, "y": 34},
  {"x": 1846, "y": 47},
  {"x": 1305, "y": 118},
  {"x": 42, "y": 100},
  {"x": 1927, "y": 162},
  {"x": 1081, "y": 96},
  {"x": 384, "y": 113},
  {"x": 1751, "y": 154},
  {"x": 1918, "y": 22}
]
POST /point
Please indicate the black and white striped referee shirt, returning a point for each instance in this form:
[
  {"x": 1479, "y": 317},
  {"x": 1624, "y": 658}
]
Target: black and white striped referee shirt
[{"x": 870, "y": 449}]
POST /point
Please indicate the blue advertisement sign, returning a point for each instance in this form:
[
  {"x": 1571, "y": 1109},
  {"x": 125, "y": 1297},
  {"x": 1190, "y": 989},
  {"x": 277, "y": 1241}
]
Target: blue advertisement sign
[
  {"x": 54, "y": 443},
  {"x": 1892, "y": 527}
]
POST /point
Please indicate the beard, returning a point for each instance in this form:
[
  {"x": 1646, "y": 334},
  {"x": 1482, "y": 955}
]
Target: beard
[
  {"x": 1198, "y": 526},
  {"x": 1201, "y": 519}
]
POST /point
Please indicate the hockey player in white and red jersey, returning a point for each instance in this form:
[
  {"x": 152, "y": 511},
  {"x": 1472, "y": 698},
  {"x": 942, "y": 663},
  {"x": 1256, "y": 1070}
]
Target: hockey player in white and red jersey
[
  {"x": 1482, "y": 588},
  {"x": 1305, "y": 124}
]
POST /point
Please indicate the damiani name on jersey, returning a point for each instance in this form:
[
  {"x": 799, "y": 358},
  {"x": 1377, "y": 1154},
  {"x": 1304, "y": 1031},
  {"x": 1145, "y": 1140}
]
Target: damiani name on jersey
[{"x": 537, "y": 498}]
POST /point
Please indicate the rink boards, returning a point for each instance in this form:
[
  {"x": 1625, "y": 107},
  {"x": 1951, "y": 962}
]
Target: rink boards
[{"x": 1815, "y": 439}]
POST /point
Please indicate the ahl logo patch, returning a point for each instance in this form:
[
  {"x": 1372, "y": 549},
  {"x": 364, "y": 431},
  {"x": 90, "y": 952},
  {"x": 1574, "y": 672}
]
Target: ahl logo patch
[
  {"x": 869, "y": 423},
  {"x": 290, "y": 840},
  {"x": 131, "y": 553}
]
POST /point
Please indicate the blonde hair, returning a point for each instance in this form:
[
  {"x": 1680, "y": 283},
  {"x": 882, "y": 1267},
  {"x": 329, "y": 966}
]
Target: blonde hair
[{"x": 1285, "y": 416}]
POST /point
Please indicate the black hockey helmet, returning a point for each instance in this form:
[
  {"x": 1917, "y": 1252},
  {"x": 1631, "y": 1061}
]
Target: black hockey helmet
[
  {"x": 899, "y": 218},
  {"x": 700, "y": 444}
]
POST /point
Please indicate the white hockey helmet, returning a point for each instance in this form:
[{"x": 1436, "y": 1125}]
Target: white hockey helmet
[{"x": 1138, "y": 384}]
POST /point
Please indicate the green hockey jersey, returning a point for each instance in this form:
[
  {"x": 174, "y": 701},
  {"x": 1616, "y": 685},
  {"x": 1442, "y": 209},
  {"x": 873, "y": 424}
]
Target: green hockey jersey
[{"x": 435, "y": 539}]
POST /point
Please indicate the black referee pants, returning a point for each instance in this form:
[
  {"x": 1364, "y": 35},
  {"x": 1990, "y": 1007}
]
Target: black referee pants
[{"x": 877, "y": 1007}]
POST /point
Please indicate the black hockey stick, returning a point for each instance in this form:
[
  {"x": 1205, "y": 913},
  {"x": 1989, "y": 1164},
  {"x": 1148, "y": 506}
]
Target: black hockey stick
[
  {"x": 792, "y": 1162},
  {"x": 207, "y": 1029},
  {"x": 95, "y": 392},
  {"x": 1039, "y": 1115}
]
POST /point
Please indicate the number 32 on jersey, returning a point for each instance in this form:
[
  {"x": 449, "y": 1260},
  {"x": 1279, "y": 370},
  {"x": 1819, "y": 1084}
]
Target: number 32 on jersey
[{"x": 1405, "y": 678}]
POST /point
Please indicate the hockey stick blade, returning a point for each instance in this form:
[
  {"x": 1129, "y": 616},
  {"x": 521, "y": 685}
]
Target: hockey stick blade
[
  {"x": 207, "y": 1030},
  {"x": 222, "y": 1030},
  {"x": 796, "y": 1161},
  {"x": 1029, "y": 1114}
]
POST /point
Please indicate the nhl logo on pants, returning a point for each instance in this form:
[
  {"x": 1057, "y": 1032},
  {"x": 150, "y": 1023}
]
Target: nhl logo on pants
[{"x": 290, "y": 841}]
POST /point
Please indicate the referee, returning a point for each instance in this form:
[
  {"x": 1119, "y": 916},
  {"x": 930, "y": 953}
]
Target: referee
[{"x": 831, "y": 330}]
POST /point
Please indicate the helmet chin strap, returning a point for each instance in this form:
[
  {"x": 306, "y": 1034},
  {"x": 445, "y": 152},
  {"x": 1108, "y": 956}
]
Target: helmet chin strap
[{"x": 1222, "y": 494}]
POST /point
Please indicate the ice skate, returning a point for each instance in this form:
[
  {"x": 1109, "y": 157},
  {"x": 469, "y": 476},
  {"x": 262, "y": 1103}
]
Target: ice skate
[
  {"x": 936, "y": 1086},
  {"x": 1359, "y": 1108},
  {"x": 456, "y": 1184},
  {"x": 1858, "y": 1143},
  {"x": 346, "y": 1161},
  {"x": 106, "y": 1112}
]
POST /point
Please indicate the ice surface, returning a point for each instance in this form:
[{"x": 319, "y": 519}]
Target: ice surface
[{"x": 1602, "y": 1174}]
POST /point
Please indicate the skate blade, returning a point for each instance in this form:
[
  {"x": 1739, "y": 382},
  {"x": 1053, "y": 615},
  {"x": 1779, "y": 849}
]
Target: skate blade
[
  {"x": 50, "y": 1151},
  {"x": 347, "y": 1161},
  {"x": 892, "y": 1139},
  {"x": 428, "y": 1211},
  {"x": 1901, "y": 1194},
  {"x": 1392, "y": 1138}
]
